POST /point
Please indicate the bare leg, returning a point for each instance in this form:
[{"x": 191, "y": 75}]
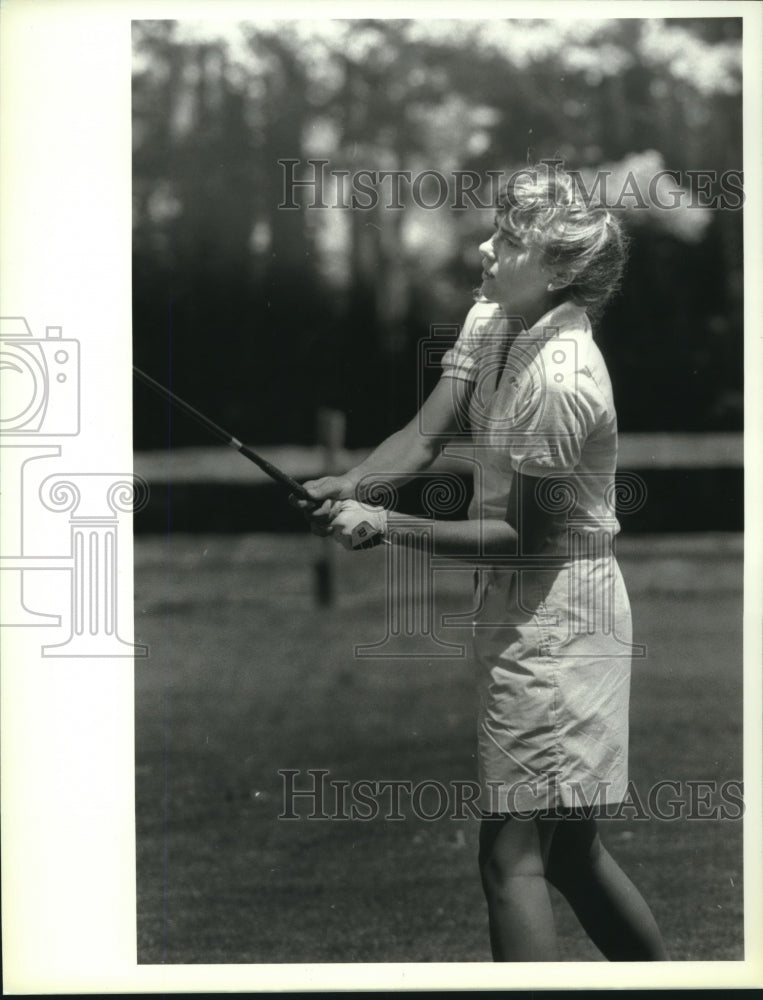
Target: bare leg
[
  {"x": 521, "y": 919},
  {"x": 609, "y": 907}
]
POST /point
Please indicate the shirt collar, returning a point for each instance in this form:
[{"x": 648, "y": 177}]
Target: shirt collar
[{"x": 566, "y": 316}]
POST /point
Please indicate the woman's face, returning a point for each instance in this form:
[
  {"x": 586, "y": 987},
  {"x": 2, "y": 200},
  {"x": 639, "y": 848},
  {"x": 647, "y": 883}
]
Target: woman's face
[{"x": 513, "y": 272}]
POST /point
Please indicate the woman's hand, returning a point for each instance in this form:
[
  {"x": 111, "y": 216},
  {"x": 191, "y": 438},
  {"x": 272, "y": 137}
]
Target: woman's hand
[
  {"x": 330, "y": 488},
  {"x": 325, "y": 490},
  {"x": 357, "y": 525}
]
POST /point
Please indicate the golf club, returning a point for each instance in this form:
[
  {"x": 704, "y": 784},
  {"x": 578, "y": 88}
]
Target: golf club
[{"x": 267, "y": 467}]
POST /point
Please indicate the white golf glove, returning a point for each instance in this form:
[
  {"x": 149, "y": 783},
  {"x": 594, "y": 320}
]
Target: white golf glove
[{"x": 356, "y": 525}]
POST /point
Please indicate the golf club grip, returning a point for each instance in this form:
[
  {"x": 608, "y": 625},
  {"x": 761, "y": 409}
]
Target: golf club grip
[{"x": 267, "y": 467}]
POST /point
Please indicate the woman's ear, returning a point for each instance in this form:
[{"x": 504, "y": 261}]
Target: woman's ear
[{"x": 558, "y": 282}]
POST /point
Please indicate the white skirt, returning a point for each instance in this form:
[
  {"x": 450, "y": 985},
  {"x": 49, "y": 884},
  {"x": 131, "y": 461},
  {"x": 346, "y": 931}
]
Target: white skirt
[{"x": 552, "y": 650}]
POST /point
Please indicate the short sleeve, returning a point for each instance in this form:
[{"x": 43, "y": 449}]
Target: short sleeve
[
  {"x": 484, "y": 322},
  {"x": 557, "y": 422}
]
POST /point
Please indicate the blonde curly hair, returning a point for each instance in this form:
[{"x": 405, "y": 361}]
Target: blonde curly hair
[{"x": 582, "y": 243}]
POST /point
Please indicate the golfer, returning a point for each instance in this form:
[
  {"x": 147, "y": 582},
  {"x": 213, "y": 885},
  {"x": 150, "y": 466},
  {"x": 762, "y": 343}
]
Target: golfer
[{"x": 552, "y": 628}]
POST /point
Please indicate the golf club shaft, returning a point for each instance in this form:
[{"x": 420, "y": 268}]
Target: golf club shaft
[{"x": 267, "y": 467}]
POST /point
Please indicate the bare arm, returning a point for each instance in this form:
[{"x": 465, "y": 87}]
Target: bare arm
[
  {"x": 414, "y": 447},
  {"x": 409, "y": 450},
  {"x": 471, "y": 539},
  {"x": 523, "y": 531}
]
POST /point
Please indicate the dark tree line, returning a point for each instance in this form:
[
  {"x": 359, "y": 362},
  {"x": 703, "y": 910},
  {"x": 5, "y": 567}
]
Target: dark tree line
[{"x": 262, "y": 314}]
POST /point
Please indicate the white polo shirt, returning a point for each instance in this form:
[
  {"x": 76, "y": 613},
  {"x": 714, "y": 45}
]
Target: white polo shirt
[{"x": 541, "y": 405}]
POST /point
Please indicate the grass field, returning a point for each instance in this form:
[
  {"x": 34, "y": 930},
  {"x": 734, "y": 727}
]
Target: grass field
[{"x": 247, "y": 676}]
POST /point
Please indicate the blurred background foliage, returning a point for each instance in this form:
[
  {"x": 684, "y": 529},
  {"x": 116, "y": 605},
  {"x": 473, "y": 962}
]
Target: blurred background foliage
[{"x": 261, "y": 315}]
